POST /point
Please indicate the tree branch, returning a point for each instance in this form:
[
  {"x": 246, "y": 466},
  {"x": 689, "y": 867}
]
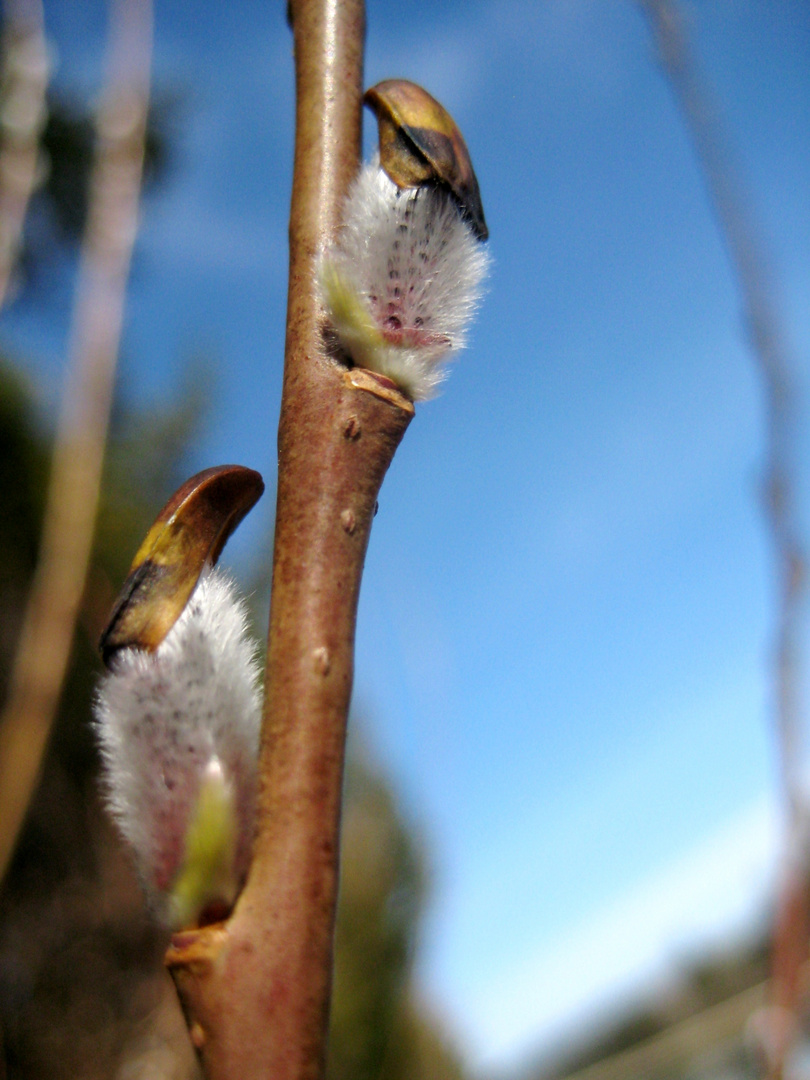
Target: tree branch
[{"x": 256, "y": 989}]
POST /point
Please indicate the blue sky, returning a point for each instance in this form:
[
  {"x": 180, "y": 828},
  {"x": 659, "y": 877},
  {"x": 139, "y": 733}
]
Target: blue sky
[{"x": 565, "y": 624}]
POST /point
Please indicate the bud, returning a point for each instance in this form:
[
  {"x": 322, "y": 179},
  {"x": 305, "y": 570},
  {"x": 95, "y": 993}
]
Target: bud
[
  {"x": 178, "y": 713},
  {"x": 403, "y": 280},
  {"x": 179, "y": 733}
]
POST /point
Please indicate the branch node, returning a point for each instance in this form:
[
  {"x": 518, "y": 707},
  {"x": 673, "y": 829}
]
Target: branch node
[{"x": 379, "y": 385}]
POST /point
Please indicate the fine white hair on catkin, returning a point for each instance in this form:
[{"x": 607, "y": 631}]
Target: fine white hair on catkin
[
  {"x": 417, "y": 268},
  {"x": 162, "y": 717}
]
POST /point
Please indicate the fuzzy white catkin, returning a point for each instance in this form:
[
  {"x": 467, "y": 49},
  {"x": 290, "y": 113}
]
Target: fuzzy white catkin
[
  {"x": 165, "y": 718},
  {"x": 414, "y": 268}
]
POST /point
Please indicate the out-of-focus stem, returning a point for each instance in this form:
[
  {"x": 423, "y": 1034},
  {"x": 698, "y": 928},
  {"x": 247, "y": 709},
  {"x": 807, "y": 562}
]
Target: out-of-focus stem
[
  {"x": 778, "y": 372},
  {"x": 256, "y": 989},
  {"x": 72, "y": 499},
  {"x": 22, "y": 117}
]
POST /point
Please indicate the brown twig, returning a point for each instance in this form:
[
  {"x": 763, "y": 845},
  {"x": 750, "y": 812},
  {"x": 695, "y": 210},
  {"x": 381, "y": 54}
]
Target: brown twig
[
  {"x": 777, "y": 370},
  {"x": 70, "y": 512},
  {"x": 255, "y": 990},
  {"x": 22, "y": 117}
]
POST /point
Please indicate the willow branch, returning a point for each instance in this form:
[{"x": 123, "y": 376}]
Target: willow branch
[
  {"x": 72, "y": 498},
  {"x": 778, "y": 373},
  {"x": 255, "y": 990},
  {"x": 22, "y": 118}
]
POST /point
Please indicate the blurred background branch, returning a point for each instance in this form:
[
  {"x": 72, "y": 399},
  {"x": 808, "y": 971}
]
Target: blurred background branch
[
  {"x": 22, "y": 118},
  {"x": 778, "y": 371},
  {"x": 72, "y": 500}
]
